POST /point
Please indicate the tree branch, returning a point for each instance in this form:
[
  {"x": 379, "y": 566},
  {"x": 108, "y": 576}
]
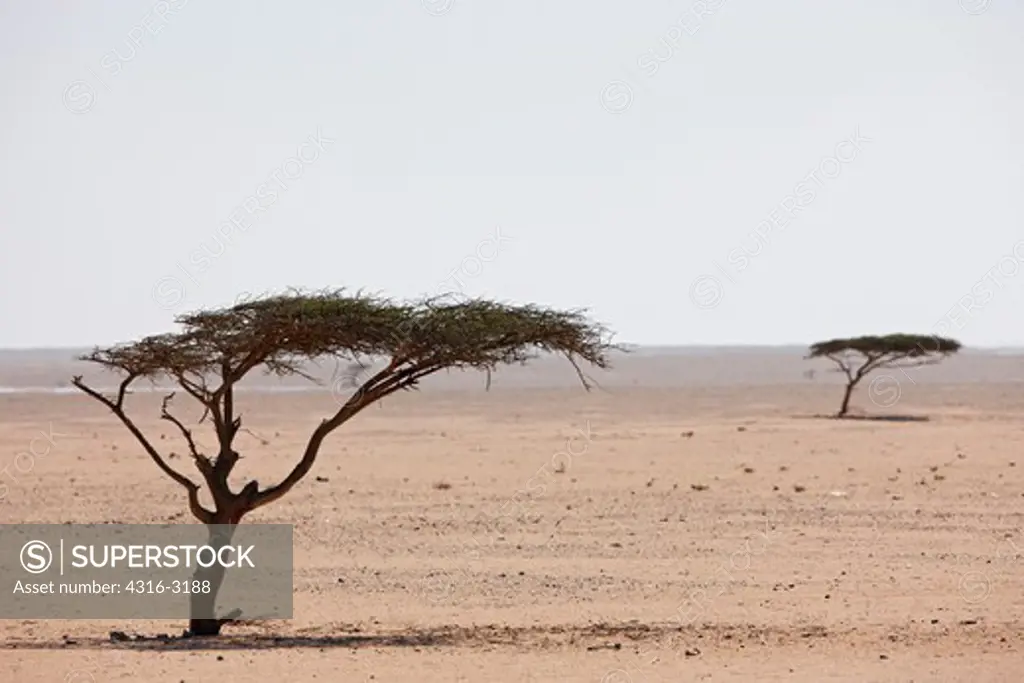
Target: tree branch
[
  {"x": 349, "y": 410},
  {"x": 227, "y": 426},
  {"x": 385, "y": 382},
  {"x": 200, "y": 392},
  {"x": 871, "y": 362},
  {"x": 117, "y": 408},
  {"x": 405, "y": 379},
  {"x": 202, "y": 462},
  {"x": 894, "y": 363},
  {"x": 123, "y": 390},
  {"x": 843, "y": 365}
]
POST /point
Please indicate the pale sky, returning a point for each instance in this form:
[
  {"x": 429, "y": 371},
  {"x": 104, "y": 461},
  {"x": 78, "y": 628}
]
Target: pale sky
[{"x": 589, "y": 153}]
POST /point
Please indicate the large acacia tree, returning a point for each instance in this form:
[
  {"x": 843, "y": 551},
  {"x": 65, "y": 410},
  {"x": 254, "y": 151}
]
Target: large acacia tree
[
  {"x": 281, "y": 334},
  {"x": 857, "y": 356}
]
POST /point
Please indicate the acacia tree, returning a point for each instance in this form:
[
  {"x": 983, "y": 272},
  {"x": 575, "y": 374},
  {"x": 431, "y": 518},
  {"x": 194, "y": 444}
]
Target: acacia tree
[
  {"x": 281, "y": 334},
  {"x": 888, "y": 351}
]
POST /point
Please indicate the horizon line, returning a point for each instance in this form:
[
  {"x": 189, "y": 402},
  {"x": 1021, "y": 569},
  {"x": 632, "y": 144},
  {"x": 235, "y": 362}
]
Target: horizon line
[{"x": 628, "y": 345}]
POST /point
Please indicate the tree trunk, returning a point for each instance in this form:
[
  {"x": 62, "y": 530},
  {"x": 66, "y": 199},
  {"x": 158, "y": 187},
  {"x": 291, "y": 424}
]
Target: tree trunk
[
  {"x": 203, "y": 621},
  {"x": 846, "y": 400}
]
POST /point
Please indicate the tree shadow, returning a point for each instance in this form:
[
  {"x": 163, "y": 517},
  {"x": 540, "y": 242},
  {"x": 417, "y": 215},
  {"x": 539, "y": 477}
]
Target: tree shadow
[
  {"x": 250, "y": 641},
  {"x": 867, "y": 418},
  {"x": 593, "y": 636},
  {"x": 423, "y": 637}
]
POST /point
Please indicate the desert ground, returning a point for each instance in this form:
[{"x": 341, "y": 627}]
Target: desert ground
[{"x": 689, "y": 520}]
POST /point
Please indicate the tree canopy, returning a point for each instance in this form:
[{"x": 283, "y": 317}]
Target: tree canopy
[
  {"x": 905, "y": 345},
  {"x": 281, "y": 332}
]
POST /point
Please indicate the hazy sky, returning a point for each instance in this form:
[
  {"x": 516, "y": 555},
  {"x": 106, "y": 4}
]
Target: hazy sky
[{"x": 620, "y": 156}]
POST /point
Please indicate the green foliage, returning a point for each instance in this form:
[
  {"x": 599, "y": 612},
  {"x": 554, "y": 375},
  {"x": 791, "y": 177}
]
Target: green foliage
[
  {"x": 281, "y": 332},
  {"x": 903, "y": 345}
]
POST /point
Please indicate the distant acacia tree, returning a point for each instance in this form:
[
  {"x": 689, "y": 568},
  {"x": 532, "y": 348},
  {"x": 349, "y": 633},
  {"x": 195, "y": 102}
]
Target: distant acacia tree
[
  {"x": 279, "y": 334},
  {"x": 857, "y": 356}
]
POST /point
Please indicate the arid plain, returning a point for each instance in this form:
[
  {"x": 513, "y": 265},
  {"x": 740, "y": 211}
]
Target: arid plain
[{"x": 691, "y": 519}]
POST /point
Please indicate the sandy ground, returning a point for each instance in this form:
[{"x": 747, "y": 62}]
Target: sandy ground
[{"x": 448, "y": 537}]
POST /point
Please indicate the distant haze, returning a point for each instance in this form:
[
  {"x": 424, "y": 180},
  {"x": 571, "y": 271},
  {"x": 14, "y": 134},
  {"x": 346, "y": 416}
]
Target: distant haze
[{"x": 645, "y": 367}]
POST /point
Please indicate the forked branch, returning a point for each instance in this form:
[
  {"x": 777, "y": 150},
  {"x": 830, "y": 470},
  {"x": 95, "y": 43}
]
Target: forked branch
[
  {"x": 202, "y": 462},
  {"x": 386, "y": 382},
  {"x": 116, "y": 406}
]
